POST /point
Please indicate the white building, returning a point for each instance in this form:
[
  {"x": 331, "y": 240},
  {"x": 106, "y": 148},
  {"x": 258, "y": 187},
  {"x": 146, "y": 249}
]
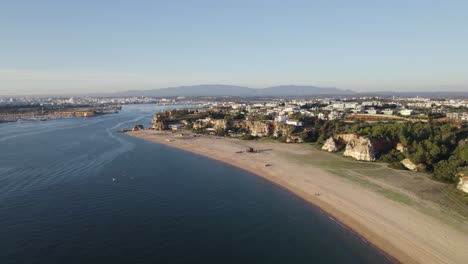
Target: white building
[
  {"x": 294, "y": 122},
  {"x": 281, "y": 118},
  {"x": 387, "y": 112},
  {"x": 333, "y": 115},
  {"x": 371, "y": 111},
  {"x": 406, "y": 112}
]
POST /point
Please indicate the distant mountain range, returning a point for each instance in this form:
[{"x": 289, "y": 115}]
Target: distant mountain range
[{"x": 231, "y": 90}]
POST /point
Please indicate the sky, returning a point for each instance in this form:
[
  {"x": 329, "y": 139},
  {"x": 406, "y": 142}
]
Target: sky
[{"x": 84, "y": 46}]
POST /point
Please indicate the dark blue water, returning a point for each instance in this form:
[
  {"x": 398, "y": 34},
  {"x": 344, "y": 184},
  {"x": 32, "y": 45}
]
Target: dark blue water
[{"x": 59, "y": 203}]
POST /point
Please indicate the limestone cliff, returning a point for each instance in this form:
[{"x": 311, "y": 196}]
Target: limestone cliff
[
  {"x": 411, "y": 166},
  {"x": 160, "y": 121},
  {"x": 217, "y": 124},
  {"x": 220, "y": 124},
  {"x": 294, "y": 139},
  {"x": 256, "y": 128},
  {"x": 400, "y": 147},
  {"x": 281, "y": 129},
  {"x": 360, "y": 148},
  {"x": 463, "y": 183},
  {"x": 357, "y": 147},
  {"x": 331, "y": 145},
  {"x": 345, "y": 138}
]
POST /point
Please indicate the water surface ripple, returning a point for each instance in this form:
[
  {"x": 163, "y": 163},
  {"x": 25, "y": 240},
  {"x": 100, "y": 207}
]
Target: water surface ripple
[{"x": 60, "y": 204}]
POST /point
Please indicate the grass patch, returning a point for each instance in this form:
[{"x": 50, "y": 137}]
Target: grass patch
[
  {"x": 389, "y": 193},
  {"x": 382, "y": 173},
  {"x": 327, "y": 160}
]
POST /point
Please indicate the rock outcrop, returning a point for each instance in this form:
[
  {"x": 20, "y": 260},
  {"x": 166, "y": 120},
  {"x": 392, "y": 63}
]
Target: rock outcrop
[
  {"x": 463, "y": 183},
  {"x": 400, "y": 147},
  {"x": 161, "y": 121},
  {"x": 138, "y": 127},
  {"x": 294, "y": 139},
  {"x": 256, "y": 128},
  {"x": 357, "y": 147},
  {"x": 281, "y": 129},
  {"x": 331, "y": 145},
  {"x": 345, "y": 138},
  {"x": 217, "y": 124},
  {"x": 411, "y": 166},
  {"x": 360, "y": 148},
  {"x": 220, "y": 124}
]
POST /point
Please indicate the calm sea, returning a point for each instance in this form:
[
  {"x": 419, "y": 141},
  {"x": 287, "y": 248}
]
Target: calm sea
[{"x": 75, "y": 191}]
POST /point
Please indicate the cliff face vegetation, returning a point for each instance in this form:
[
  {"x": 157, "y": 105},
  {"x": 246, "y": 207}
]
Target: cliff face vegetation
[{"x": 437, "y": 148}]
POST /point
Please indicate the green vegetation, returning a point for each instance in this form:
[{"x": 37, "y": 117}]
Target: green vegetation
[{"x": 441, "y": 147}]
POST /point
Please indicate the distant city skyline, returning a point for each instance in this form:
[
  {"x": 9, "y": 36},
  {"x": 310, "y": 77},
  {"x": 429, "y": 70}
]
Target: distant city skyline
[{"x": 72, "y": 47}]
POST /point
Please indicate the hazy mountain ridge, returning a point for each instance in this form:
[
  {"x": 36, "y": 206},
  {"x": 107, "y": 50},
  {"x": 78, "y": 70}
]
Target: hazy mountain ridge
[{"x": 232, "y": 90}]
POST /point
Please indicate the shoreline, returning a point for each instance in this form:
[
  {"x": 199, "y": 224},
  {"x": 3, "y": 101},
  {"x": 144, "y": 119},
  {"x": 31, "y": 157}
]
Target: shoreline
[
  {"x": 366, "y": 224},
  {"x": 305, "y": 197}
]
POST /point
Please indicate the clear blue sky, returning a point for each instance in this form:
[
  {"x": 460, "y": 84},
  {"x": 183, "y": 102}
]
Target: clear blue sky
[{"x": 69, "y": 46}]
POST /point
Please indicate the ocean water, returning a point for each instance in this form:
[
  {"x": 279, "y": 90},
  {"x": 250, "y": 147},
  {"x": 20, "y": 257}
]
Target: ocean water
[{"x": 76, "y": 191}]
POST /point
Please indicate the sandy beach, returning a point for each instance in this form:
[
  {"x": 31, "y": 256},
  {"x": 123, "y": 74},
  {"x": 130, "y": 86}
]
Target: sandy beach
[{"x": 411, "y": 227}]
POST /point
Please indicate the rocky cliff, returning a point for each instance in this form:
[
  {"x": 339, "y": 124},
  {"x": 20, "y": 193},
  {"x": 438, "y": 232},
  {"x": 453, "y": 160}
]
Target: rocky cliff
[
  {"x": 294, "y": 139},
  {"x": 281, "y": 129},
  {"x": 411, "y": 166},
  {"x": 217, "y": 124},
  {"x": 256, "y": 128},
  {"x": 463, "y": 182},
  {"x": 331, "y": 145},
  {"x": 360, "y": 148},
  {"x": 345, "y": 138},
  {"x": 357, "y": 147},
  {"x": 161, "y": 121},
  {"x": 400, "y": 147}
]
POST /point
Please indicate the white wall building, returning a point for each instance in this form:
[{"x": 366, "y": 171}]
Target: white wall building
[
  {"x": 281, "y": 118},
  {"x": 294, "y": 122},
  {"x": 406, "y": 112}
]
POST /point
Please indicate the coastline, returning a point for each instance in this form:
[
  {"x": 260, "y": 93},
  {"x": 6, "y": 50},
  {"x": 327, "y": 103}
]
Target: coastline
[{"x": 400, "y": 232}]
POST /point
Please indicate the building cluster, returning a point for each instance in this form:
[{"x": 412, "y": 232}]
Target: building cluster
[
  {"x": 463, "y": 116},
  {"x": 332, "y": 108},
  {"x": 281, "y": 110}
]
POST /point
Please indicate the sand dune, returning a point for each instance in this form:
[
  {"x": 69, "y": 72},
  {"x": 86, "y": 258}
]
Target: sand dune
[{"x": 409, "y": 234}]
